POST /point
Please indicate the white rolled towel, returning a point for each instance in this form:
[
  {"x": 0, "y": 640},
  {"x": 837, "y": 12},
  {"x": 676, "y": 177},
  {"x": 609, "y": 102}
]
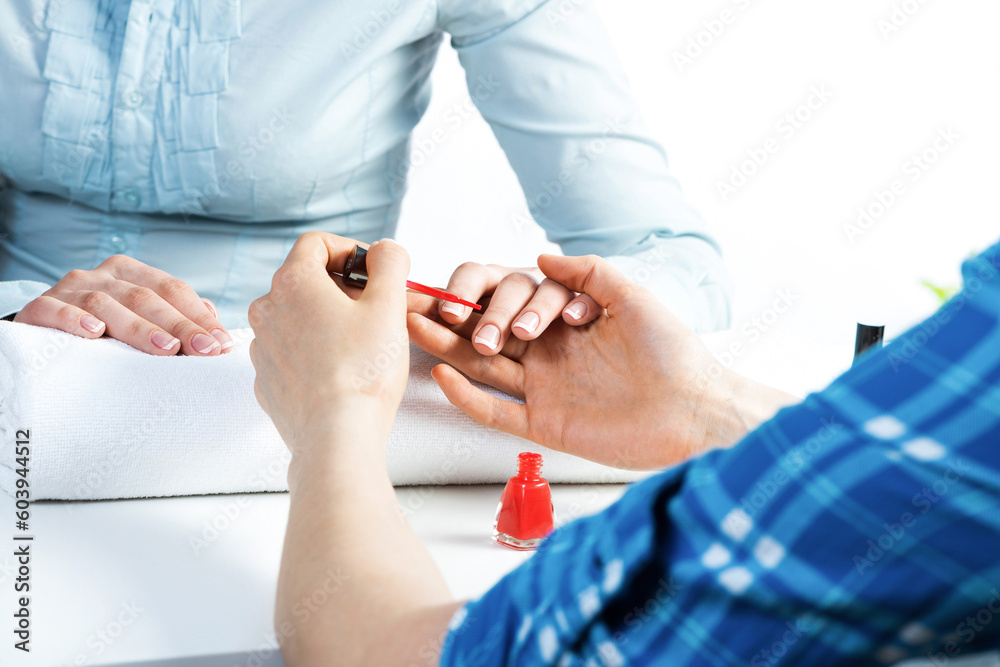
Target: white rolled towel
[{"x": 108, "y": 421}]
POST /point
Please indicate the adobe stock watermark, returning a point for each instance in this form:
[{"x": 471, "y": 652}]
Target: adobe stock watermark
[
  {"x": 212, "y": 529},
  {"x": 912, "y": 170},
  {"x": 384, "y": 361},
  {"x": 903, "y": 351},
  {"x": 654, "y": 260},
  {"x": 786, "y": 127},
  {"x": 899, "y": 15},
  {"x": 369, "y": 28},
  {"x": 302, "y": 611},
  {"x": 549, "y": 191},
  {"x": 650, "y": 609},
  {"x": 231, "y": 511},
  {"x": 794, "y": 461},
  {"x": 922, "y": 502},
  {"x": 452, "y": 119},
  {"x": 778, "y": 649},
  {"x": 101, "y": 640},
  {"x": 706, "y": 36},
  {"x": 751, "y": 332},
  {"x": 417, "y": 496},
  {"x": 967, "y": 630},
  {"x": 560, "y": 12},
  {"x": 248, "y": 150},
  {"x": 35, "y": 25}
]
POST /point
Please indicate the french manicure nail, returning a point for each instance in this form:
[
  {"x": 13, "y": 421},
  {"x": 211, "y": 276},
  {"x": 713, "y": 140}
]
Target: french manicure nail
[
  {"x": 453, "y": 308},
  {"x": 222, "y": 337},
  {"x": 529, "y": 322},
  {"x": 91, "y": 323},
  {"x": 164, "y": 341},
  {"x": 576, "y": 310},
  {"x": 204, "y": 344},
  {"x": 488, "y": 336},
  {"x": 211, "y": 309}
]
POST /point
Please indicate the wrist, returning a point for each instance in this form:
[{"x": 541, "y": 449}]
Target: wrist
[
  {"x": 746, "y": 404},
  {"x": 351, "y": 437}
]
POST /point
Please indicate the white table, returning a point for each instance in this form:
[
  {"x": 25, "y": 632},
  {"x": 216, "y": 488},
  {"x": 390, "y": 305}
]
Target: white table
[{"x": 151, "y": 582}]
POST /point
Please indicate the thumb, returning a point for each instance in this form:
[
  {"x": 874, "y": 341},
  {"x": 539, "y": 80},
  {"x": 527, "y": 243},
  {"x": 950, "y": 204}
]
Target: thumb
[
  {"x": 388, "y": 266},
  {"x": 589, "y": 275}
]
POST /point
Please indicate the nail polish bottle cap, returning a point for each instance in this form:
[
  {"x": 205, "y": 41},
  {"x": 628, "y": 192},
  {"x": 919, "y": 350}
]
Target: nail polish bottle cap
[
  {"x": 355, "y": 268},
  {"x": 867, "y": 337}
]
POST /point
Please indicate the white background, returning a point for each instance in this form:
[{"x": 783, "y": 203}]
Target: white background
[{"x": 784, "y": 229}]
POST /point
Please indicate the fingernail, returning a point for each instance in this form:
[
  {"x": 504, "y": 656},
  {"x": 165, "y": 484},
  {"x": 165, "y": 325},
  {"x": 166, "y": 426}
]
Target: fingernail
[
  {"x": 453, "y": 308},
  {"x": 91, "y": 323},
  {"x": 576, "y": 310},
  {"x": 488, "y": 336},
  {"x": 204, "y": 344},
  {"x": 528, "y": 322},
  {"x": 163, "y": 340},
  {"x": 222, "y": 337},
  {"x": 211, "y": 309}
]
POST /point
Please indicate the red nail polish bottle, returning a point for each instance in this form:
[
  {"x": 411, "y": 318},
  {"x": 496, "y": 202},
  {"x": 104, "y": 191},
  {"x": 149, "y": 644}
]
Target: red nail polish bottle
[{"x": 525, "y": 515}]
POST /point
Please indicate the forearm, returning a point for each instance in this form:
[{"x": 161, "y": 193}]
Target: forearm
[
  {"x": 594, "y": 176},
  {"x": 382, "y": 595},
  {"x": 733, "y": 405}
]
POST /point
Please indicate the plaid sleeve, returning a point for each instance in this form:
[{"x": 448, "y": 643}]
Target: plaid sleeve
[{"x": 859, "y": 527}]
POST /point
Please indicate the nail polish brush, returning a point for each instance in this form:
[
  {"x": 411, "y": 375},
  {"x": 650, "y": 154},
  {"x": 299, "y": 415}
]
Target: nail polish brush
[{"x": 356, "y": 275}]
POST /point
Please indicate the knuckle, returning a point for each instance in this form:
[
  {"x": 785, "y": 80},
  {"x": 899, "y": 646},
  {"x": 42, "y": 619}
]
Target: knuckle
[
  {"x": 485, "y": 365},
  {"x": 468, "y": 267},
  {"x": 92, "y": 301},
  {"x": 286, "y": 279},
  {"x": 258, "y": 393},
  {"x": 67, "y": 314},
  {"x": 172, "y": 288},
  {"x": 519, "y": 279},
  {"x": 117, "y": 260},
  {"x": 76, "y": 276},
  {"x": 135, "y": 329},
  {"x": 257, "y": 313},
  {"x": 139, "y": 296},
  {"x": 394, "y": 249},
  {"x": 27, "y": 313}
]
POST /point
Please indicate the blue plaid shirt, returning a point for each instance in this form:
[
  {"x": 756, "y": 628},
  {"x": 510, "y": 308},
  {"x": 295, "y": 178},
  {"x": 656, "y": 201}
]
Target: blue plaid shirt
[{"x": 861, "y": 526}]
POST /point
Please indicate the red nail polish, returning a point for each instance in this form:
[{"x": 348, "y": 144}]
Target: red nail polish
[{"x": 525, "y": 515}]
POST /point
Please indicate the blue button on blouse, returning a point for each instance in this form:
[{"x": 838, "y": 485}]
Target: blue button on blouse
[{"x": 203, "y": 136}]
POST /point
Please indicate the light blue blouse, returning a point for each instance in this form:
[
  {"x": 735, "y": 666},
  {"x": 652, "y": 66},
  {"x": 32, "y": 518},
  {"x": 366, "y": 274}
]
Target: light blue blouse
[{"x": 203, "y": 136}]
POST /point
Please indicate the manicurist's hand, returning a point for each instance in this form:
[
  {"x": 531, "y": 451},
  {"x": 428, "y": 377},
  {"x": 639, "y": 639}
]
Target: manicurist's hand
[
  {"x": 123, "y": 298},
  {"x": 522, "y": 303},
  {"x": 321, "y": 354},
  {"x": 633, "y": 389},
  {"x": 331, "y": 368}
]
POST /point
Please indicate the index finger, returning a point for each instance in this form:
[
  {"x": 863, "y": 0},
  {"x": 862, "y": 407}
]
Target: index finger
[{"x": 180, "y": 299}]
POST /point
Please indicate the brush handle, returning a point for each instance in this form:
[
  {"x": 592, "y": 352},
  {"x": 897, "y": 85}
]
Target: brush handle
[{"x": 441, "y": 294}]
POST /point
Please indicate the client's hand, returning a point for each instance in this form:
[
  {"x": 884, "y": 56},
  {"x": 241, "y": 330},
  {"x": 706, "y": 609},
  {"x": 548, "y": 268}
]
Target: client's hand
[
  {"x": 634, "y": 389},
  {"x": 522, "y": 302},
  {"x": 326, "y": 361},
  {"x": 145, "y": 307}
]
